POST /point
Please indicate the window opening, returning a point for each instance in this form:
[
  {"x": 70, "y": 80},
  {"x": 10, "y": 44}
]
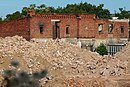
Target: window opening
[
  {"x": 110, "y": 28},
  {"x": 67, "y": 30},
  {"x": 41, "y": 28},
  {"x": 100, "y": 27},
  {"x": 122, "y": 29}
]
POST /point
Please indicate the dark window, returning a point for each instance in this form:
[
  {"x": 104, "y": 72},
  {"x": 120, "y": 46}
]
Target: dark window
[
  {"x": 110, "y": 28},
  {"x": 67, "y": 30},
  {"x": 100, "y": 27},
  {"x": 122, "y": 29},
  {"x": 41, "y": 28}
]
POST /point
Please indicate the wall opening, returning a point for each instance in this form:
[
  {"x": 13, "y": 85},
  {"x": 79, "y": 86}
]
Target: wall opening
[
  {"x": 56, "y": 28},
  {"x": 41, "y": 29},
  {"x": 67, "y": 29},
  {"x": 110, "y": 28},
  {"x": 100, "y": 27},
  {"x": 122, "y": 29}
]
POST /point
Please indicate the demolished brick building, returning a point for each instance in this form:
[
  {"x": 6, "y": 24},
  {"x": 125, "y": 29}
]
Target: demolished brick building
[{"x": 80, "y": 26}]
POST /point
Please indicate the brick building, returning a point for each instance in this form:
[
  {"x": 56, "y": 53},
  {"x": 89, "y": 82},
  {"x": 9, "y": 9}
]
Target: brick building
[{"x": 81, "y": 26}]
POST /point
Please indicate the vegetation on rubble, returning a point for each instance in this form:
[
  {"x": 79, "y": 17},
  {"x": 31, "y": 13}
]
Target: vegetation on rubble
[
  {"x": 79, "y": 8},
  {"x": 101, "y": 49},
  {"x": 15, "y": 78}
]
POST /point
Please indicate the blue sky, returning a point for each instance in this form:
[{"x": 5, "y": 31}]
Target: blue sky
[{"x": 10, "y": 6}]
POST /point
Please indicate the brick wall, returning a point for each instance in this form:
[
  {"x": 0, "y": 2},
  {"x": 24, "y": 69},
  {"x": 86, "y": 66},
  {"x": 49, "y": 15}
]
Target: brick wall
[
  {"x": 87, "y": 26},
  {"x": 65, "y": 20},
  {"x": 15, "y": 27},
  {"x": 104, "y": 33},
  {"x": 86, "y": 23},
  {"x": 82, "y": 26},
  {"x": 116, "y": 32}
]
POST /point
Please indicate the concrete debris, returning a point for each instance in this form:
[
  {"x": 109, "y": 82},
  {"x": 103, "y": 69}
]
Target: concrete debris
[
  {"x": 58, "y": 57},
  {"x": 124, "y": 56}
]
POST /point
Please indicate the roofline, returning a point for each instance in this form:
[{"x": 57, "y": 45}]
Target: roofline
[{"x": 14, "y": 19}]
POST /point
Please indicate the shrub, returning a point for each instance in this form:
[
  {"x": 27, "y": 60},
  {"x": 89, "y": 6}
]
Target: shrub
[
  {"x": 15, "y": 78},
  {"x": 101, "y": 49}
]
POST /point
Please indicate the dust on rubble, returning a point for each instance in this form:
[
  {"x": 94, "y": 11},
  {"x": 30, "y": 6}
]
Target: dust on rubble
[{"x": 63, "y": 60}]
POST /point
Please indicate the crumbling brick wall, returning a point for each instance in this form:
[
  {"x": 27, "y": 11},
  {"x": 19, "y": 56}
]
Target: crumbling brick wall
[
  {"x": 116, "y": 32},
  {"x": 79, "y": 26},
  {"x": 19, "y": 27},
  {"x": 65, "y": 20}
]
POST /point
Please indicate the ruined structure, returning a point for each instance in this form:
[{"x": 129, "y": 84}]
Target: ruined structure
[{"x": 84, "y": 27}]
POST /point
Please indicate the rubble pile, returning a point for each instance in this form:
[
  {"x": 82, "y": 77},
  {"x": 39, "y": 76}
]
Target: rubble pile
[
  {"x": 124, "y": 55},
  {"x": 61, "y": 58}
]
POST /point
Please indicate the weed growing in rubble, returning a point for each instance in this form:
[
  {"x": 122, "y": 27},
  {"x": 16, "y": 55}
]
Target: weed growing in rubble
[{"x": 15, "y": 78}]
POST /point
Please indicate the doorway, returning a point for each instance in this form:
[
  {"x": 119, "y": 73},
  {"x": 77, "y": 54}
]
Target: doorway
[{"x": 56, "y": 29}]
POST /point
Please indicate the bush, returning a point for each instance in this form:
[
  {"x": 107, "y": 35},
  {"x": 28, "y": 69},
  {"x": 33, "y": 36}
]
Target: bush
[
  {"x": 15, "y": 78},
  {"x": 101, "y": 49}
]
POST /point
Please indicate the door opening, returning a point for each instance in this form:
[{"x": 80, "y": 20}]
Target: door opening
[{"x": 56, "y": 29}]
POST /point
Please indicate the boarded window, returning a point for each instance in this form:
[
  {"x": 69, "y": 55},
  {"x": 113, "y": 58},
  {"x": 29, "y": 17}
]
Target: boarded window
[
  {"x": 100, "y": 27},
  {"x": 110, "y": 28},
  {"x": 122, "y": 29}
]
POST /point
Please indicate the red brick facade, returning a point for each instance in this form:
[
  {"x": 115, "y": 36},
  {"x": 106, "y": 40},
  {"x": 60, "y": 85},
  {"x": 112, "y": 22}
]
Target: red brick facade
[
  {"x": 116, "y": 32},
  {"x": 46, "y": 20},
  {"x": 16, "y": 27},
  {"x": 62, "y": 26}
]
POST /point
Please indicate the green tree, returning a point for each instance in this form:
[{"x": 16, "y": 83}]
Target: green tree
[
  {"x": 13, "y": 16},
  {"x": 1, "y": 19},
  {"x": 32, "y": 6},
  {"x": 59, "y": 10},
  {"x": 69, "y": 8},
  {"x": 41, "y": 8},
  {"x": 49, "y": 10},
  {"x": 123, "y": 14},
  {"x": 101, "y": 49},
  {"x": 87, "y": 8},
  {"x": 24, "y": 11}
]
